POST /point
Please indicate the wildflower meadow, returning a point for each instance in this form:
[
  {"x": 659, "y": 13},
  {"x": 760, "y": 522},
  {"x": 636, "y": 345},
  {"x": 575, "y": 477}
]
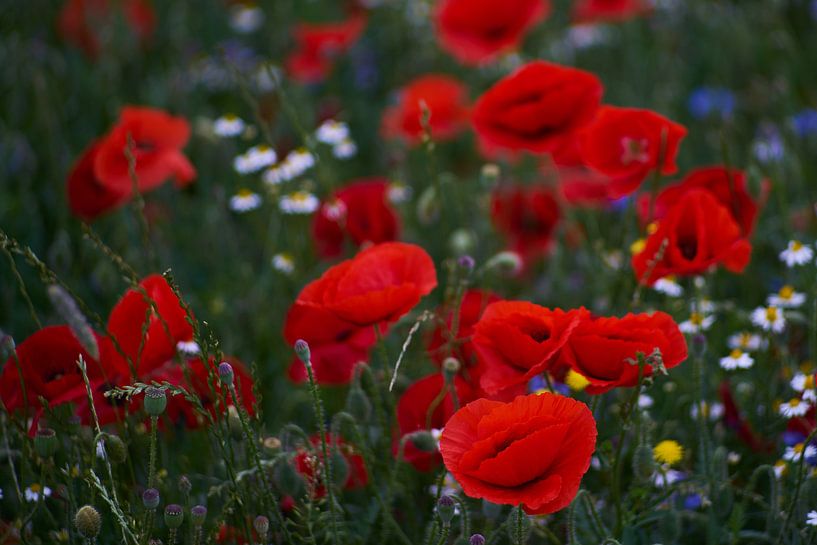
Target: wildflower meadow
[{"x": 412, "y": 272}]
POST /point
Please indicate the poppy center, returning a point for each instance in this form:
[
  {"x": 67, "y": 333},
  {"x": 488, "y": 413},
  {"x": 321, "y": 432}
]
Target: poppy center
[
  {"x": 688, "y": 247},
  {"x": 635, "y": 150}
]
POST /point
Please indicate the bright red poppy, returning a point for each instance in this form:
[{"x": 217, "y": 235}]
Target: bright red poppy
[
  {"x": 359, "y": 212},
  {"x": 627, "y": 144},
  {"x": 535, "y": 108},
  {"x": 477, "y": 31},
  {"x": 527, "y": 216},
  {"x": 305, "y": 463},
  {"x": 517, "y": 340},
  {"x": 727, "y": 186},
  {"x": 440, "y": 344},
  {"x": 592, "y": 11},
  {"x": 604, "y": 350},
  {"x": 318, "y": 44},
  {"x": 379, "y": 285},
  {"x": 579, "y": 184},
  {"x": 532, "y": 451},
  {"x": 422, "y": 407},
  {"x": 446, "y": 100},
  {"x": 696, "y": 234},
  {"x": 83, "y": 22}
]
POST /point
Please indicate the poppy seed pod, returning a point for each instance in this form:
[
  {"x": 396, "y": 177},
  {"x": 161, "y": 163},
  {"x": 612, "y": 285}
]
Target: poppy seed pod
[
  {"x": 155, "y": 401},
  {"x": 451, "y": 366},
  {"x": 174, "y": 515},
  {"x": 151, "y": 498},
  {"x": 46, "y": 443},
  {"x": 261, "y": 525},
  {"x": 445, "y": 509},
  {"x": 88, "y": 521},
  {"x": 477, "y": 539},
  {"x": 115, "y": 448},
  {"x": 198, "y": 513}
]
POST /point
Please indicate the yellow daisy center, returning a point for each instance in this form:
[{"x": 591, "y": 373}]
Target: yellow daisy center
[
  {"x": 771, "y": 314},
  {"x": 244, "y": 193},
  {"x": 796, "y": 245},
  {"x": 576, "y": 381},
  {"x": 696, "y": 318},
  {"x": 735, "y": 354},
  {"x": 786, "y": 292}
]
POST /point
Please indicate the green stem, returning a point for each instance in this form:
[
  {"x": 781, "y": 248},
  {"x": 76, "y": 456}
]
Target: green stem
[{"x": 154, "y": 423}]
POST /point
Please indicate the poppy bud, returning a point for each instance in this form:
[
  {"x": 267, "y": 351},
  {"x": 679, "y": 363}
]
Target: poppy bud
[
  {"x": 155, "y": 401},
  {"x": 288, "y": 479},
  {"x": 174, "y": 515},
  {"x": 340, "y": 468},
  {"x": 477, "y": 539},
  {"x": 234, "y": 424},
  {"x": 643, "y": 463},
  {"x": 185, "y": 486},
  {"x": 445, "y": 509},
  {"x": 451, "y": 366},
  {"x": 490, "y": 174},
  {"x": 272, "y": 444},
  {"x": 151, "y": 498},
  {"x": 115, "y": 448},
  {"x": 198, "y": 513},
  {"x": 88, "y": 522},
  {"x": 225, "y": 373},
  {"x": 302, "y": 351},
  {"x": 358, "y": 404},
  {"x": 462, "y": 242},
  {"x": 45, "y": 442},
  {"x": 513, "y": 522},
  {"x": 423, "y": 440},
  {"x": 505, "y": 263},
  {"x": 428, "y": 206},
  {"x": 261, "y": 525},
  {"x": 67, "y": 308}
]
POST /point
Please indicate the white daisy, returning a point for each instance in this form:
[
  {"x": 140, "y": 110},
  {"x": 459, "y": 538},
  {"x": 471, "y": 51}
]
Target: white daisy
[
  {"x": 586, "y": 35},
  {"x": 450, "y": 486},
  {"x": 245, "y": 201},
  {"x": 733, "y": 457},
  {"x": 697, "y": 322},
  {"x": 299, "y": 161},
  {"x": 793, "y": 408},
  {"x": 713, "y": 411},
  {"x": 736, "y": 359},
  {"x": 802, "y": 382},
  {"x": 645, "y": 401},
  {"x": 811, "y": 518},
  {"x": 786, "y": 298},
  {"x": 793, "y": 454},
  {"x": 275, "y": 175},
  {"x": 283, "y": 262},
  {"x": 665, "y": 477},
  {"x": 668, "y": 286},
  {"x": 810, "y": 396},
  {"x": 188, "y": 348},
  {"x": 32, "y": 493},
  {"x": 332, "y": 132},
  {"x": 779, "y": 468},
  {"x": 398, "y": 192},
  {"x": 246, "y": 18},
  {"x": 769, "y": 319},
  {"x": 345, "y": 149},
  {"x": 796, "y": 253},
  {"x": 299, "y": 202},
  {"x": 747, "y": 342},
  {"x": 705, "y": 306},
  {"x": 254, "y": 159},
  {"x": 228, "y": 125}
]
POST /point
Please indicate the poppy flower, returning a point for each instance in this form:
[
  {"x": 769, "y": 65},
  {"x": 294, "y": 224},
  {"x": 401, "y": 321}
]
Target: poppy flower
[
  {"x": 318, "y": 44},
  {"x": 473, "y": 304},
  {"x": 155, "y": 308},
  {"x": 88, "y": 197},
  {"x": 603, "y": 349},
  {"x": 700, "y": 233},
  {"x": 336, "y": 346},
  {"x": 727, "y": 186},
  {"x": 446, "y": 100},
  {"x": 527, "y": 216},
  {"x": 579, "y": 184},
  {"x": 421, "y": 407},
  {"x": 532, "y": 451},
  {"x": 593, "y": 11},
  {"x": 535, "y": 108},
  {"x": 517, "y": 340},
  {"x": 477, "y": 31},
  {"x": 305, "y": 462},
  {"x": 82, "y": 22},
  {"x": 379, "y": 285},
  {"x": 627, "y": 144},
  {"x": 360, "y": 212},
  {"x": 734, "y": 420}
]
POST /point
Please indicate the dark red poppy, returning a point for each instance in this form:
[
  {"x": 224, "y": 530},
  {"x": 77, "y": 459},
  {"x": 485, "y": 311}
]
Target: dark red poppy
[
  {"x": 83, "y": 22},
  {"x": 305, "y": 462},
  {"x": 535, "y": 108},
  {"x": 336, "y": 346},
  {"x": 604, "y": 350},
  {"x": 527, "y": 216},
  {"x": 532, "y": 451},
  {"x": 517, "y": 340},
  {"x": 440, "y": 344},
  {"x": 423, "y": 406},
  {"x": 735, "y": 421},
  {"x": 477, "y": 31},
  {"x": 591, "y": 11},
  {"x": 379, "y": 285},
  {"x": 318, "y": 44},
  {"x": 446, "y": 100},
  {"x": 627, "y": 144},
  {"x": 727, "y": 186},
  {"x": 697, "y": 233},
  {"x": 359, "y": 212},
  {"x": 88, "y": 197}
]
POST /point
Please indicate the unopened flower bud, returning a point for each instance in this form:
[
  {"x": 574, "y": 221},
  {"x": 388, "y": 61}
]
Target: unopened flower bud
[
  {"x": 88, "y": 522},
  {"x": 477, "y": 539},
  {"x": 358, "y": 404},
  {"x": 643, "y": 463},
  {"x": 45, "y": 442},
  {"x": 261, "y": 525},
  {"x": 423, "y": 441},
  {"x": 174, "y": 515},
  {"x": 151, "y": 498},
  {"x": 225, "y": 373},
  {"x": 302, "y": 351},
  {"x": 445, "y": 509},
  {"x": 505, "y": 263},
  {"x": 155, "y": 401},
  {"x": 115, "y": 448},
  {"x": 340, "y": 468},
  {"x": 198, "y": 513}
]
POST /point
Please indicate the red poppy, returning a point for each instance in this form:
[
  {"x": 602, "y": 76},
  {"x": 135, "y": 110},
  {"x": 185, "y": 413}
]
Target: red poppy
[
  {"x": 319, "y": 44},
  {"x": 517, "y": 340},
  {"x": 590, "y": 11},
  {"x": 305, "y": 464},
  {"x": 473, "y": 305},
  {"x": 603, "y": 350},
  {"x": 532, "y": 451},
  {"x": 535, "y": 108},
  {"x": 156, "y": 306},
  {"x": 727, "y": 186},
  {"x": 734, "y": 420},
  {"x": 527, "y": 216},
  {"x": 579, "y": 184},
  {"x": 88, "y": 197},
  {"x": 380, "y": 284},
  {"x": 422, "y": 408},
  {"x": 627, "y": 144},
  {"x": 336, "y": 346},
  {"x": 477, "y": 31},
  {"x": 83, "y": 22},
  {"x": 360, "y": 212},
  {"x": 446, "y": 100},
  {"x": 700, "y": 233}
]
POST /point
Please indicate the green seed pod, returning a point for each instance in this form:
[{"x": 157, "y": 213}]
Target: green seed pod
[
  {"x": 46, "y": 443},
  {"x": 288, "y": 479},
  {"x": 155, "y": 401},
  {"x": 88, "y": 521},
  {"x": 261, "y": 525},
  {"x": 340, "y": 468},
  {"x": 115, "y": 448},
  {"x": 428, "y": 206},
  {"x": 445, "y": 509},
  {"x": 174, "y": 515},
  {"x": 643, "y": 463},
  {"x": 505, "y": 263},
  {"x": 198, "y": 514},
  {"x": 358, "y": 404},
  {"x": 151, "y": 499}
]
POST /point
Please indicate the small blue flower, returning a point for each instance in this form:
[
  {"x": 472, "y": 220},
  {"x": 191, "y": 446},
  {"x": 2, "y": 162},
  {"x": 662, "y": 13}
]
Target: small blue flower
[
  {"x": 804, "y": 122},
  {"x": 711, "y": 101},
  {"x": 693, "y": 502},
  {"x": 791, "y": 438},
  {"x": 768, "y": 144}
]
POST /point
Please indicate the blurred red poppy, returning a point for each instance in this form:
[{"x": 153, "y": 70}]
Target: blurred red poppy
[
  {"x": 592, "y": 11},
  {"x": 305, "y": 463},
  {"x": 440, "y": 345},
  {"x": 319, "y": 44},
  {"x": 527, "y": 216},
  {"x": 83, "y": 22}
]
